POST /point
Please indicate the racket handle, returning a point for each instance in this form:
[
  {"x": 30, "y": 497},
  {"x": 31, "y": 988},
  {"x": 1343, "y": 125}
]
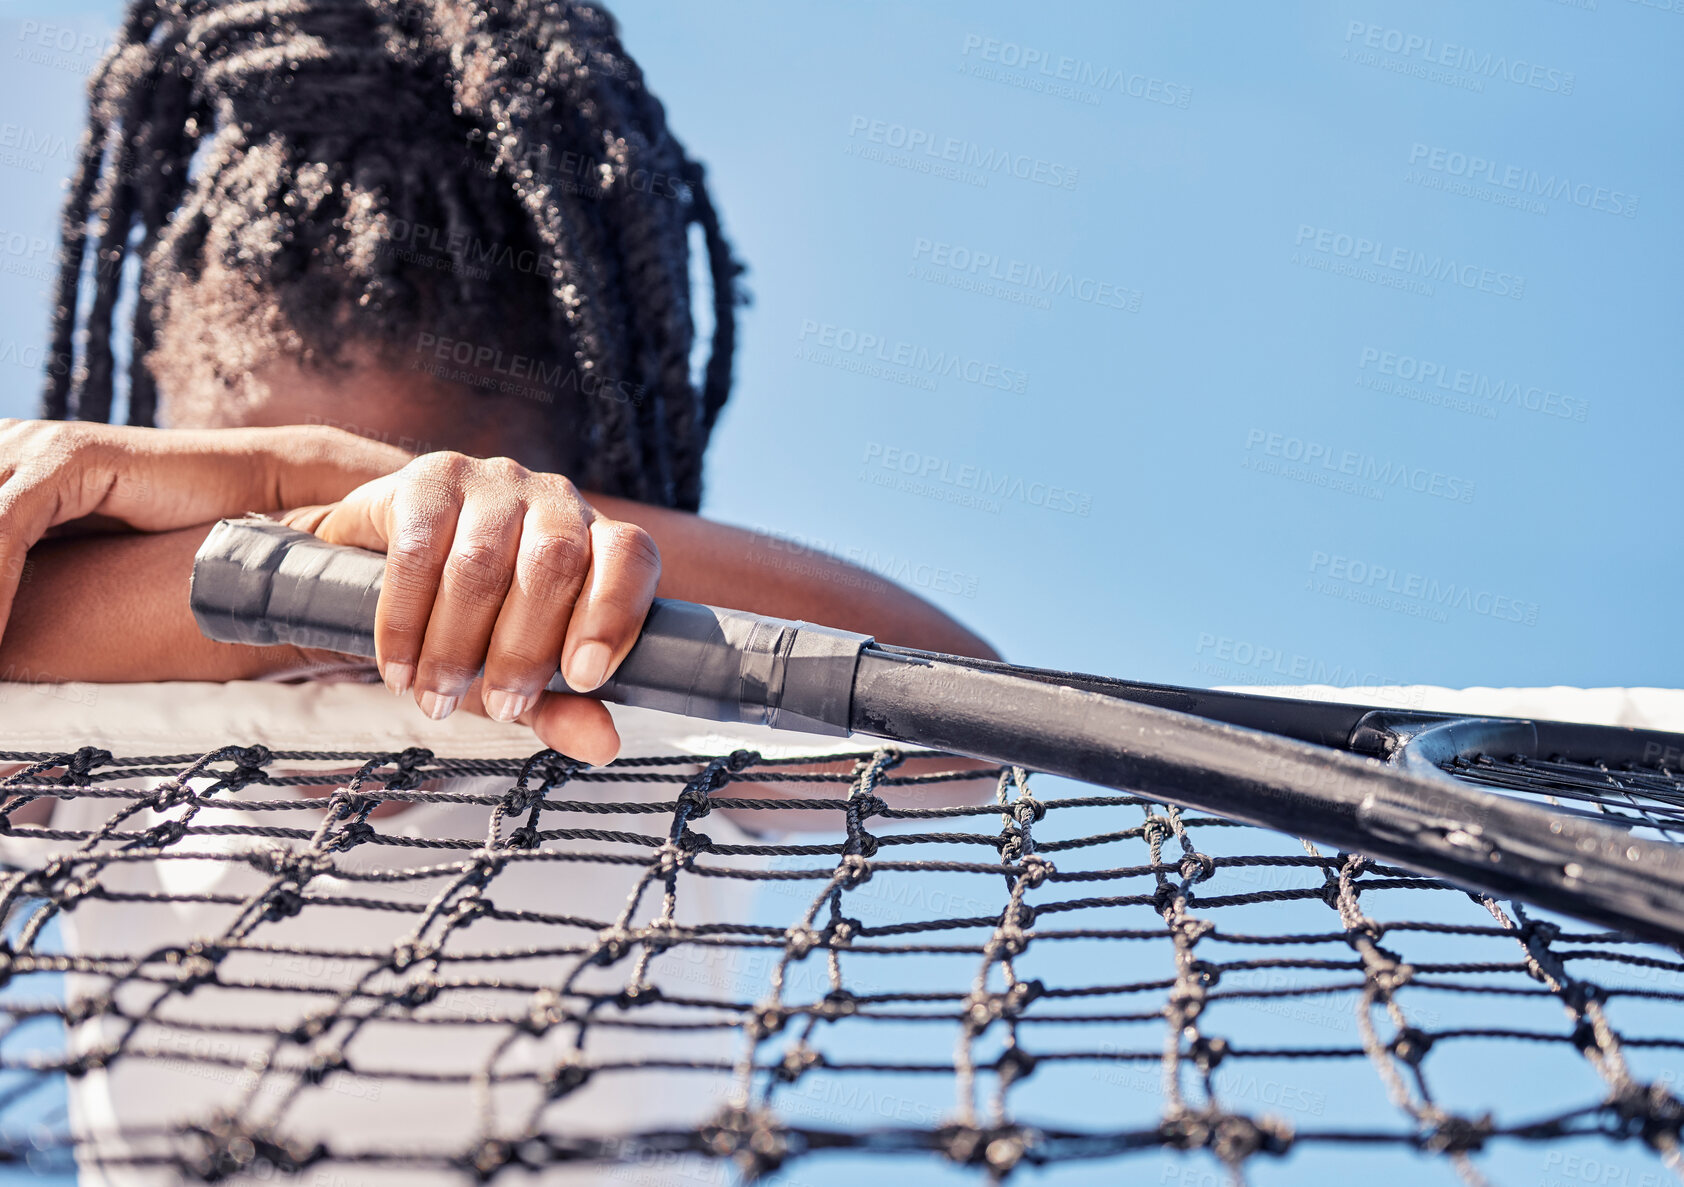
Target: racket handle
[{"x": 261, "y": 583}]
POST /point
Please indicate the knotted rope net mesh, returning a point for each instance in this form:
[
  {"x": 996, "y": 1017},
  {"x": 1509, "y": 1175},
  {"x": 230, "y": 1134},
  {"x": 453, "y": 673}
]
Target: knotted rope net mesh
[{"x": 249, "y": 964}]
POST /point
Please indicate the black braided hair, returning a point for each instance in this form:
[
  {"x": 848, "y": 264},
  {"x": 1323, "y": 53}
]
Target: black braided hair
[{"x": 365, "y": 171}]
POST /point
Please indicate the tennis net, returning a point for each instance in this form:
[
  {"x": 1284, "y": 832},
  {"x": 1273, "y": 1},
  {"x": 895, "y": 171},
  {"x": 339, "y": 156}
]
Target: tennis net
[{"x": 467, "y": 961}]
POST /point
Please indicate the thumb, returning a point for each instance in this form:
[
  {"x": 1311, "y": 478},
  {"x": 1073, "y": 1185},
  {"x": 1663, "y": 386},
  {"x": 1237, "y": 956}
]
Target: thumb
[{"x": 359, "y": 520}]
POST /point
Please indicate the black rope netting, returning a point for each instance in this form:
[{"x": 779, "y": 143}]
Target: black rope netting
[{"x": 261, "y": 965}]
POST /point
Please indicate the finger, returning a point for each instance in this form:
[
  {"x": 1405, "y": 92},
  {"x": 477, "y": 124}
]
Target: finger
[
  {"x": 625, "y": 565},
  {"x": 415, "y": 525},
  {"x": 474, "y": 582},
  {"x": 28, "y": 508},
  {"x": 575, "y": 726},
  {"x": 550, "y": 571}
]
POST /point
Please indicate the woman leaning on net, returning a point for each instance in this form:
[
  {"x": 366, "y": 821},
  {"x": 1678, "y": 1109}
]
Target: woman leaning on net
[
  {"x": 366, "y": 230},
  {"x": 456, "y": 226}
]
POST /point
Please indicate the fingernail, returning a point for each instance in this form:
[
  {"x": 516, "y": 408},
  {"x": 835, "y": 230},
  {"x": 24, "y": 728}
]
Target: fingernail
[
  {"x": 436, "y": 706},
  {"x": 504, "y": 705},
  {"x": 399, "y": 677},
  {"x": 589, "y": 667}
]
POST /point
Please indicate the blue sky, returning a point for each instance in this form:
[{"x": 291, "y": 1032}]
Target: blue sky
[
  {"x": 1192, "y": 376},
  {"x": 1319, "y": 342}
]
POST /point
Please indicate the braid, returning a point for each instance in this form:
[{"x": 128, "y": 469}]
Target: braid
[{"x": 282, "y": 153}]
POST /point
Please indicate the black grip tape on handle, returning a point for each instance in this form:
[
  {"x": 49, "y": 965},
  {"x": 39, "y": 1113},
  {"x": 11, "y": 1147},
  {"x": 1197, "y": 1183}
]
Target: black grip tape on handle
[{"x": 261, "y": 583}]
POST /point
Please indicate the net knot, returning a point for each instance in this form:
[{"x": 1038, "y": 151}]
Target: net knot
[
  {"x": 1186, "y": 1001},
  {"x": 1192, "y": 930},
  {"x": 1579, "y": 996},
  {"x": 739, "y": 761},
  {"x": 249, "y": 766},
  {"x": 870, "y": 805},
  {"x": 1541, "y": 930},
  {"x": 1411, "y": 1045},
  {"x": 466, "y": 911},
  {"x": 291, "y": 865},
  {"x": 1354, "y": 865},
  {"x": 162, "y": 834},
  {"x": 1006, "y": 945},
  {"x": 1014, "y": 1064},
  {"x": 693, "y": 803},
  {"x": 1648, "y": 1111},
  {"x": 658, "y": 937},
  {"x": 519, "y": 798},
  {"x": 838, "y": 1003},
  {"x": 567, "y": 1075},
  {"x": 524, "y": 837},
  {"x": 1023, "y": 916},
  {"x": 1000, "y": 1149},
  {"x": 1232, "y": 1137},
  {"x": 1235, "y": 1138},
  {"x": 691, "y": 842},
  {"x": 854, "y": 870},
  {"x": 1208, "y": 1051},
  {"x": 862, "y": 845},
  {"x": 78, "y": 1011},
  {"x": 282, "y": 902},
  {"x": 1020, "y": 995},
  {"x": 408, "y": 953},
  {"x": 482, "y": 870},
  {"x": 1205, "y": 974},
  {"x": 982, "y": 1009},
  {"x": 641, "y": 995},
  {"x": 1197, "y": 867},
  {"x": 1165, "y": 897},
  {"x": 417, "y": 994},
  {"x": 752, "y": 1138},
  {"x": 408, "y": 776},
  {"x": 45, "y": 881},
  {"x": 799, "y": 941},
  {"x": 797, "y": 1062},
  {"x": 309, "y": 1029},
  {"x": 231, "y": 1150},
  {"x": 842, "y": 931},
  {"x": 322, "y": 1065},
  {"x": 1367, "y": 930},
  {"x": 1034, "y": 869},
  {"x": 80, "y": 1065},
  {"x": 1027, "y": 810},
  {"x": 79, "y": 767},
  {"x": 1155, "y": 830},
  {"x": 489, "y": 1158},
  {"x": 612, "y": 946},
  {"x": 1390, "y": 978},
  {"x": 173, "y": 794},
  {"x": 764, "y": 1021},
  {"x": 544, "y": 1012},
  {"x": 1585, "y": 1038},
  {"x": 352, "y": 835},
  {"x": 1458, "y": 1135}
]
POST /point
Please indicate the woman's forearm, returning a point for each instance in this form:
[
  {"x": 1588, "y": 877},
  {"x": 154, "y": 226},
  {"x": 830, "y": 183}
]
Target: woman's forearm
[
  {"x": 113, "y": 608},
  {"x": 721, "y": 565}
]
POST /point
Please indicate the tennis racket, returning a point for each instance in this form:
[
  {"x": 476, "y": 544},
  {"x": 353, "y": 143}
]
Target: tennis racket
[{"x": 1453, "y": 796}]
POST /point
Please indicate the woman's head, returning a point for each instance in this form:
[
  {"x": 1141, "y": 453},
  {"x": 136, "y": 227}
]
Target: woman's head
[{"x": 469, "y": 204}]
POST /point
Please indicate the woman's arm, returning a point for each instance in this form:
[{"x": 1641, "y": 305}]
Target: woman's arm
[
  {"x": 113, "y": 608},
  {"x": 721, "y": 565}
]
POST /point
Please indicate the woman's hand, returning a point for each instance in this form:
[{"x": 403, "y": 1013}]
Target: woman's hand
[
  {"x": 55, "y": 475},
  {"x": 491, "y": 564}
]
